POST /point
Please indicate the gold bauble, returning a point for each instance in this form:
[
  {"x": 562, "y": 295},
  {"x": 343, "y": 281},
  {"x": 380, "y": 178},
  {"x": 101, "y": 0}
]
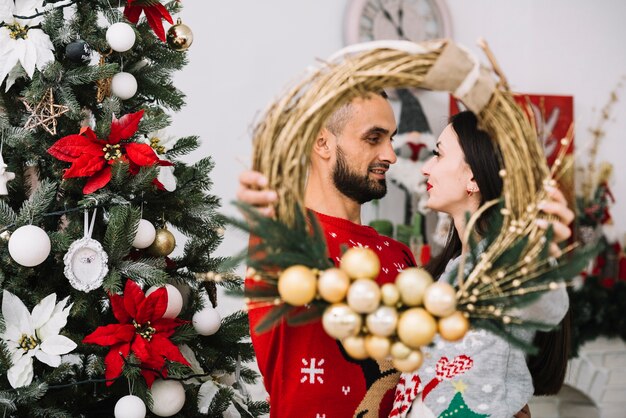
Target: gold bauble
[
  {"x": 399, "y": 350},
  {"x": 377, "y": 347},
  {"x": 360, "y": 263},
  {"x": 364, "y": 296},
  {"x": 333, "y": 284},
  {"x": 390, "y": 294},
  {"x": 179, "y": 36},
  {"x": 297, "y": 285},
  {"x": 412, "y": 284},
  {"x": 440, "y": 299},
  {"x": 382, "y": 321},
  {"x": 355, "y": 347},
  {"x": 339, "y": 321},
  {"x": 416, "y": 327},
  {"x": 163, "y": 244},
  {"x": 409, "y": 364},
  {"x": 453, "y": 327}
]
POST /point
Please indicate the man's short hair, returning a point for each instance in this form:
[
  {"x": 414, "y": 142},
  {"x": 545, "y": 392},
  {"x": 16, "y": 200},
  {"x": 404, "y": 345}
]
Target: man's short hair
[{"x": 337, "y": 121}]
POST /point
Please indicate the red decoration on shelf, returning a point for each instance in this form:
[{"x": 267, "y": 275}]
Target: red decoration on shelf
[
  {"x": 92, "y": 157},
  {"x": 142, "y": 330},
  {"x": 155, "y": 13}
]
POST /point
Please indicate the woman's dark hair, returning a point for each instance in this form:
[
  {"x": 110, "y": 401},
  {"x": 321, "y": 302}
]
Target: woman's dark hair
[{"x": 549, "y": 365}]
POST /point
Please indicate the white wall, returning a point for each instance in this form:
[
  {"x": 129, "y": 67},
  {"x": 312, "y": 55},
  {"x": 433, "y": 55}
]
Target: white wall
[{"x": 246, "y": 52}]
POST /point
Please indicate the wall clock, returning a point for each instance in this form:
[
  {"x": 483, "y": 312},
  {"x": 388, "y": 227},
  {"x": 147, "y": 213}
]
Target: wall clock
[{"x": 413, "y": 20}]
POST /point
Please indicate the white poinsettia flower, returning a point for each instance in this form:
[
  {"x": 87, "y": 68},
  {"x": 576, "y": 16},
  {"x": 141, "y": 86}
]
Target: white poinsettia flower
[
  {"x": 22, "y": 42},
  {"x": 161, "y": 142},
  {"x": 35, "y": 334}
]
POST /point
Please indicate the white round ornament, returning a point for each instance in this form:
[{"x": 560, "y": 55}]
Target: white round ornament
[
  {"x": 206, "y": 321},
  {"x": 339, "y": 321},
  {"x": 124, "y": 85},
  {"x": 29, "y": 245},
  {"x": 86, "y": 261},
  {"x": 120, "y": 36},
  {"x": 174, "y": 300},
  {"x": 145, "y": 234},
  {"x": 364, "y": 296},
  {"x": 440, "y": 299},
  {"x": 168, "y": 397},
  {"x": 130, "y": 406}
]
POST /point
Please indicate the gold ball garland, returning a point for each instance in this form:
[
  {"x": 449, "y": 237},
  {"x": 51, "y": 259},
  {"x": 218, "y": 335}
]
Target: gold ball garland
[
  {"x": 297, "y": 285},
  {"x": 360, "y": 263}
]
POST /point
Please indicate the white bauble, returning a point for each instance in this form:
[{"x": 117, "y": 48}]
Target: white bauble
[
  {"x": 145, "y": 234},
  {"x": 174, "y": 300},
  {"x": 168, "y": 397},
  {"x": 130, "y": 406},
  {"x": 124, "y": 85},
  {"x": 339, "y": 321},
  {"x": 364, "y": 296},
  {"x": 120, "y": 36},
  {"x": 29, "y": 245},
  {"x": 206, "y": 321},
  {"x": 383, "y": 321}
]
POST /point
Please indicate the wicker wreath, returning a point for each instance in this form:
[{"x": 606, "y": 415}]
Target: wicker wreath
[{"x": 285, "y": 137}]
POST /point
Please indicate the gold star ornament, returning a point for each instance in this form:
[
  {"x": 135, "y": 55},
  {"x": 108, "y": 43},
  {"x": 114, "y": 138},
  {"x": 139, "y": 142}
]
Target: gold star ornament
[{"x": 44, "y": 114}]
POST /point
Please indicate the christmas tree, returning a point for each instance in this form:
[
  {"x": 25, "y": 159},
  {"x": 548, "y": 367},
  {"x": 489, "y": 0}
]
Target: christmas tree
[
  {"x": 100, "y": 316},
  {"x": 458, "y": 408}
]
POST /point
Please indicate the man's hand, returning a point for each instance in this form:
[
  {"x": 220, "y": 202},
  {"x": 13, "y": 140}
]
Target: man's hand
[
  {"x": 556, "y": 205},
  {"x": 524, "y": 413},
  {"x": 252, "y": 191}
]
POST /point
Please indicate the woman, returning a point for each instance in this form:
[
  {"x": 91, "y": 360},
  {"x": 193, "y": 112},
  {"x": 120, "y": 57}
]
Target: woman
[{"x": 482, "y": 375}]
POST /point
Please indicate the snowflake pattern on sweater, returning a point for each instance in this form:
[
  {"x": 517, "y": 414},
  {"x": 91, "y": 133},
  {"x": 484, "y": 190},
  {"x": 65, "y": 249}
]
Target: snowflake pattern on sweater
[{"x": 306, "y": 372}]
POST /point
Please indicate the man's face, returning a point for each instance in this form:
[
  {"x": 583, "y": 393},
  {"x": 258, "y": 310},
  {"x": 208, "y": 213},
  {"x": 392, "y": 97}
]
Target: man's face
[{"x": 364, "y": 150}]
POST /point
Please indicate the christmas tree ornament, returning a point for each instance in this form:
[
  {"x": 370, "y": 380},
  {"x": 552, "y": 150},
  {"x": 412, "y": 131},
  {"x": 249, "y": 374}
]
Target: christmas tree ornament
[
  {"x": 168, "y": 397},
  {"x": 377, "y": 347},
  {"x": 412, "y": 284},
  {"x": 141, "y": 328},
  {"x": 130, "y": 406},
  {"x": 355, "y": 347},
  {"x": 164, "y": 243},
  {"x": 440, "y": 299},
  {"x": 206, "y": 321},
  {"x": 146, "y": 233},
  {"x": 399, "y": 350},
  {"x": 29, "y": 245},
  {"x": 78, "y": 51},
  {"x": 360, "y": 263},
  {"x": 174, "y": 300},
  {"x": 410, "y": 363},
  {"x": 155, "y": 13},
  {"x": 416, "y": 327},
  {"x": 364, "y": 296},
  {"x": 333, "y": 284},
  {"x": 120, "y": 36},
  {"x": 45, "y": 113},
  {"x": 5, "y": 176},
  {"x": 103, "y": 85},
  {"x": 85, "y": 260},
  {"x": 24, "y": 43},
  {"x": 389, "y": 294},
  {"x": 339, "y": 321},
  {"x": 124, "y": 85},
  {"x": 297, "y": 285},
  {"x": 33, "y": 335},
  {"x": 382, "y": 321},
  {"x": 453, "y": 327},
  {"x": 179, "y": 36}
]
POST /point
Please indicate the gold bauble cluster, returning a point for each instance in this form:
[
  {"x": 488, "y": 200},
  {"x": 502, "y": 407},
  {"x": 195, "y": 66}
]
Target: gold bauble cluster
[{"x": 371, "y": 321}]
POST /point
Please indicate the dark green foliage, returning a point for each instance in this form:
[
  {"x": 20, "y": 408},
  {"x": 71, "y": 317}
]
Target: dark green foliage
[{"x": 39, "y": 195}]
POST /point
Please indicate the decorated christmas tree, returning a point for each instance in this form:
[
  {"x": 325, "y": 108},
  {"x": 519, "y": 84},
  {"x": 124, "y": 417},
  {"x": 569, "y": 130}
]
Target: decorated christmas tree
[
  {"x": 458, "y": 408},
  {"x": 103, "y": 313}
]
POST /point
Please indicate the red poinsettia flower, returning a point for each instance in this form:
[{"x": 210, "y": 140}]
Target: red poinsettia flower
[
  {"x": 142, "y": 330},
  {"x": 92, "y": 157},
  {"x": 155, "y": 13}
]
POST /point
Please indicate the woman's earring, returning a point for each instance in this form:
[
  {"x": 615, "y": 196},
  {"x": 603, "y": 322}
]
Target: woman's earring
[{"x": 471, "y": 191}]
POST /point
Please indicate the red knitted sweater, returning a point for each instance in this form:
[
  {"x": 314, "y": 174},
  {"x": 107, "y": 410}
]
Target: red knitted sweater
[{"x": 306, "y": 373}]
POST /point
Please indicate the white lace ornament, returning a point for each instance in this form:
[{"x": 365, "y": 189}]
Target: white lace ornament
[{"x": 86, "y": 260}]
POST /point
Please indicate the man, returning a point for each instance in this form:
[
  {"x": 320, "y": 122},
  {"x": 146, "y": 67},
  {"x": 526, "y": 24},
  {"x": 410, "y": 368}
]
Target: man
[{"x": 306, "y": 372}]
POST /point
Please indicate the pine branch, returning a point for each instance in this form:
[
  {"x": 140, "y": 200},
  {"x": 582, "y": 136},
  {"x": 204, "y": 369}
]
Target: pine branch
[{"x": 33, "y": 209}]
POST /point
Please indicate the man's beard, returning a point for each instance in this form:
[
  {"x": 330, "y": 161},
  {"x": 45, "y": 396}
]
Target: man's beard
[{"x": 359, "y": 188}]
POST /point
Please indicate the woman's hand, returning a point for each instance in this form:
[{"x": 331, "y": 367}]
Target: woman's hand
[
  {"x": 556, "y": 205},
  {"x": 252, "y": 191}
]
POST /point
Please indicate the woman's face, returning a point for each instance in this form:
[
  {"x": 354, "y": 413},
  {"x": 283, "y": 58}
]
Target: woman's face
[{"x": 449, "y": 177}]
